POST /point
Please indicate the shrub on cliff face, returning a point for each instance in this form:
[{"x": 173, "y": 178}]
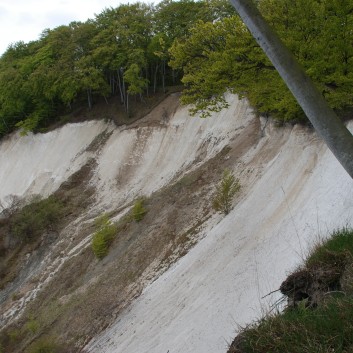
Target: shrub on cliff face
[
  {"x": 225, "y": 192},
  {"x": 37, "y": 217},
  {"x": 138, "y": 210},
  {"x": 103, "y": 237}
]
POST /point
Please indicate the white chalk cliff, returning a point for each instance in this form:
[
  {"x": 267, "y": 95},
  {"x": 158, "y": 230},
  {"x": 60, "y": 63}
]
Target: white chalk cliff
[{"x": 293, "y": 190}]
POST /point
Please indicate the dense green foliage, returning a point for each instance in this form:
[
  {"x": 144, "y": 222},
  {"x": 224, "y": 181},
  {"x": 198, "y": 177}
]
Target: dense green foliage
[
  {"x": 326, "y": 327},
  {"x": 123, "y": 51},
  {"x": 225, "y": 192},
  {"x": 222, "y": 56},
  {"x": 103, "y": 237},
  {"x": 34, "y": 219},
  {"x": 136, "y": 49},
  {"x": 341, "y": 241},
  {"x": 139, "y": 210}
]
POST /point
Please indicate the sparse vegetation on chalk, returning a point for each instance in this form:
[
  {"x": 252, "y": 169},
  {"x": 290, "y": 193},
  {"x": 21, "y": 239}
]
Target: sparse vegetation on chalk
[
  {"x": 37, "y": 217},
  {"x": 226, "y": 190},
  {"x": 44, "y": 345},
  {"x": 103, "y": 237},
  {"x": 139, "y": 210}
]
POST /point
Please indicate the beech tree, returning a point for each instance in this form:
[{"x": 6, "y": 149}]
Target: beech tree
[
  {"x": 125, "y": 50},
  {"x": 119, "y": 53}
]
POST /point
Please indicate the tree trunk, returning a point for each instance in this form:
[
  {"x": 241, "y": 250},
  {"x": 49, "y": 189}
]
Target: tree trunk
[
  {"x": 163, "y": 75},
  {"x": 125, "y": 95},
  {"x": 5, "y": 123},
  {"x": 147, "y": 80},
  {"x": 127, "y": 105},
  {"x": 112, "y": 83},
  {"x": 155, "y": 79},
  {"x": 325, "y": 121},
  {"x": 89, "y": 98},
  {"x": 120, "y": 88}
]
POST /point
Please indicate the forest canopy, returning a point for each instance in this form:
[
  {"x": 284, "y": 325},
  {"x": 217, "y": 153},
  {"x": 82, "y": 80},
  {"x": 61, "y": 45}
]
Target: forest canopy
[
  {"x": 138, "y": 49},
  {"x": 222, "y": 56},
  {"x": 123, "y": 51}
]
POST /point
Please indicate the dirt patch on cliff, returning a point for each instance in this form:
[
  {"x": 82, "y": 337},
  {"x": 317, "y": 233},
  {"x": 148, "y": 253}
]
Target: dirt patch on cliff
[
  {"x": 78, "y": 296},
  {"x": 86, "y": 294}
]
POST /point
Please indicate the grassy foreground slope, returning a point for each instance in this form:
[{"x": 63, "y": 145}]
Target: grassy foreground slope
[{"x": 319, "y": 315}]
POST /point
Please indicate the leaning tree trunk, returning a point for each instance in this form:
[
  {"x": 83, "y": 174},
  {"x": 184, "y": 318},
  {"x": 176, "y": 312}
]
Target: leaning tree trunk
[
  {"x": 155, "y": 79},
  {"x": 325, "y": 121},
  {"x": 89, "y": 98},
  {"x": 127, "y": 105},
  {"x": 121, "y": 88},
  {"x": 163, "y": 75}
]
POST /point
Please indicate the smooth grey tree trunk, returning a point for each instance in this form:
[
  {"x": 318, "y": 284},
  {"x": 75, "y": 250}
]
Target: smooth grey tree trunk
[
  {"x": 325, "y": 121},
  {"x": 89, "y": 98},
  {"x": 122, "y": 101}
]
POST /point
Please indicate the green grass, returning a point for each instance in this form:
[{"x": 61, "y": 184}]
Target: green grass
[
  {"x": 328, "y": 328},
  {"x": 106, "y": 231},
  {"x": 103, "y": 237},
  {"x": 44, "y": 345},
  {"x": 304, "y": 329},
  {"x": 32, "y": 326},
  {"x": 138, "y": 210},
  {"x": 341, "y": 241}
]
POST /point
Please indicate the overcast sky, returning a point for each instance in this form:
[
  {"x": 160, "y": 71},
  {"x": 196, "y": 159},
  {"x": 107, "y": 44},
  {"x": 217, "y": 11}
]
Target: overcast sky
[{"x": 26, "y": 19}]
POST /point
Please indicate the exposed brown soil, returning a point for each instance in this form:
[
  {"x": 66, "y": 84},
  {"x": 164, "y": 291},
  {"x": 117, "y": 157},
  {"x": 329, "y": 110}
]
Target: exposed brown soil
[
  {"x": 111, "y": 109},
  {"x": 86, "y": 295},
  {"x": 15, "y": 251},
  {"x": 312, "y": 283},
  {"x": 20, "y": 259}
]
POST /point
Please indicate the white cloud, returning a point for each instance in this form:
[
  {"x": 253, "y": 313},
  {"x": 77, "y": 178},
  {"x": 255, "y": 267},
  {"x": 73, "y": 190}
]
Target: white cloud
[{"x": 24, "y": 20}]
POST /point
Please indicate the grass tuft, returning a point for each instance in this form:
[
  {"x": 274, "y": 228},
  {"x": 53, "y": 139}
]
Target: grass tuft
[
  {"x": 324, "y": 327},
  {"x": 340, "y": 242},
  {"x": 103, "y": 237},
  {"x": 138, "y": 210}
]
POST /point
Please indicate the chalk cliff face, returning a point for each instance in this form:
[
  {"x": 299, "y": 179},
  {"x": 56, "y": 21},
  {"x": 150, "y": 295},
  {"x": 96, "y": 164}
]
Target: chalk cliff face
[
  {"x": 132, "y": 160},
  {"x": 38, "y": 164},
  {"x": 292, "y": 191}
]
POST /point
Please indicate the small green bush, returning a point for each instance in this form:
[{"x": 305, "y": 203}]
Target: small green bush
[
  {"x": 103, "y": 237},
  {"x": 44, "y": 345},
  {"x": 14, "y": 335},
  {"x": 32, "y": 220},
  {"x": 32, "y": 326},
  {"x": 138, "y": 210},
  {"x": 225, "y": 192},
  {"x": 99, "y": 245}
]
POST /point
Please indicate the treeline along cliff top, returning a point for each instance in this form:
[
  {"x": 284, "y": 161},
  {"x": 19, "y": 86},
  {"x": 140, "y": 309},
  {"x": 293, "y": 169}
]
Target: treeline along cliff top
[{"x": 136, "y": 50}]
